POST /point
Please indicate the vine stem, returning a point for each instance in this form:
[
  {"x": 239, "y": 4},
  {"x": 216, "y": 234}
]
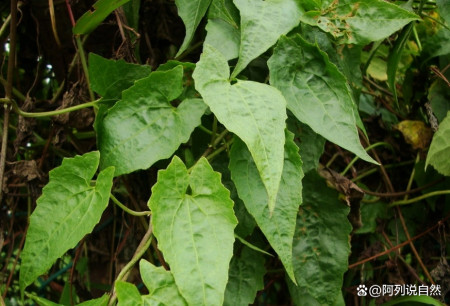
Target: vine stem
[
  {"x": 372, "y": 146},
  {"x": 140, "y": 251},
  {"x": 8, "y": 91},
  {"x": 128, "y": 210},
  {"x": 15, "y": 91},
  {"x": 20, "y": 112},
  {"x": 419, "y": 198},
  {"x": 84, "y": 65}
]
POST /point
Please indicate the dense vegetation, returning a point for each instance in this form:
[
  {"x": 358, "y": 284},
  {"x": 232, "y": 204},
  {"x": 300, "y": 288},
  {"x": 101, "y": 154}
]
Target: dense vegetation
[{"x": 224, "y": 152}]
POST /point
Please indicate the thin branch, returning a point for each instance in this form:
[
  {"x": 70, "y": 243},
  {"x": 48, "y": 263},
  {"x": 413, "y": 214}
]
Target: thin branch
[
  {"x": 8, "y": 91},
  {"x": 401, "y": 193},
  {"x": 399, "y": 245}
]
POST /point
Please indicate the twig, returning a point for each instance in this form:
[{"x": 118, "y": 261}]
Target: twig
[
  {"x": 8, "y": 91},
  {"x": 401, "y": 193},
  {"x": 399, "y": 245}
]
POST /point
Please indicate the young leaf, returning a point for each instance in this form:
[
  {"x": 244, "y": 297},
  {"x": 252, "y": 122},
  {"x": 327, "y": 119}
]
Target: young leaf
[
  {"x": 145, "y": 125},
  {"x": 262, "y": 23},
  {"x": 160, "y": 284},
  {"x": 440, "y": 148},
  {"x": 321, "y": 241},
  {"x": 91, "y": 19},
  {"x": 278, "y": 228},
  {"x": 358, "y": 22},
  {"x": 317, "y": 93},
  {"x": 109, "y": 77},
  {"x": 255, "y": 112},
  {"x": 127, "y": 294},
  {"x": 245, "y": 278},
  {"x": 395, "y": 56},
  {"x": 194, "y": 223},
  {"x": 192, "y": 12},
  {"x": 67, "y": 210}
]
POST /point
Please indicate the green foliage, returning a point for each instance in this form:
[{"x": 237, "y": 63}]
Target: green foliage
[
  {"x": 318, "y": 95},
  {"x": 192, "y": 13},
  {"x": 356, "y": 21},
  {"x": 193, "y": 216},
  {"x": 440, "y": 148},
  {"x": 245, "y": 278},
  {"x": 321, "y": 242},
  {"x": 269, "y": 116},
  {"x": 262, "y": 23},
  {"x": 277, "y": 227},
  {"x": 160, "y": 284},
  {"x": 255, "y": 112},
  {"x": 92, "y": 19},
  {"x": 109, "y": 78},
  {"x": 127, "y": 294},
  {"x": 223, "y": 37},
  {"x": 68, "y": 209},
  {"x": 145, "y": 125}
]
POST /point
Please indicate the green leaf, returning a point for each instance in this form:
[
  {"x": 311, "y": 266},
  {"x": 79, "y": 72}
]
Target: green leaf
[
  {"x": 321, "y": 241},
  {"x": 395, "y": 57},
  {"x": 356, "y": 21},
  {"x": 145, "y": 125},
  {"x": 440, "y": 148},
  {"x": 127, "y": 294},
  {"x": 101, "y": 301},
  {"x": 280, "y": 226},
  {"x": 369, "y": 215},
  {"x": 444, "y": 10},
  {"x": 436, "y": 45},
  {"x": 194, "y": 223},
  {"x": 41, "y": 301},
  {"x": 109, "y": 77},
  {"x": 317, "y": 93},
  {"x": 311, "y": 145},
  {"x": 245, "y": 278},
  {"x": 246, "y": 223},
  {"x": 67, "y": 210},
  {"x": 191, "y": 12},
  {"x": 225, "y": 10},
  {"x": 300, "y": 297},
  {"x": 262, "y": 23},
  {"x": 91, "y": 19},
  {"x": 223, "y": 37},
  {"x": 131, "y": 10},
  {"x": 161, "y": 285},
  {"x": 439, "y": 97},
  {"x": 255, "y": 112},
  {"x": 412, "y": 300}
]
